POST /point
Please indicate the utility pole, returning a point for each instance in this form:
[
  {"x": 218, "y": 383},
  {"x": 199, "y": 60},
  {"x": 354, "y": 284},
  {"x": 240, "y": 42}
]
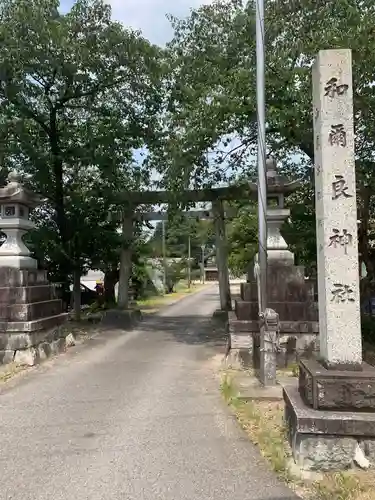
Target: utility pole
[
  {"x": 269, "y": 319},
  {"x": 261, "y": 158},
  {"x": 189, "y": 263}
]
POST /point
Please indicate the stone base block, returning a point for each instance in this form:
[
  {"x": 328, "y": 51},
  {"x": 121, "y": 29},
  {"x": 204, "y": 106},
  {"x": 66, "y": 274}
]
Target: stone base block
[
  {"x": 368, "y": 446},
  {"x": 15, "y": 341},
  {"x": 19, "y": 261},
  {"x": 28, "y": 357},
  {"x": 239, "y": 359},
  {"x": 124, "y": 319},
  {"x": 220, "y": 316},
  {"x": 34, "y": 355},
  {"x": 242, "y": 341},
  {"x": 324, "y": 453},
  {"x": 29, "y": 348},
  {"x": 247, "y": 292},
  {"x": 288, "y": 311},
  {"x": 27, "y": 294},
  {"x": 337, "y": 390},
  {"x": 6, "y": 357},
  {"x": 287, "y": 328},
  {"x": 32, "y": 326},
  {"x": 284, "y": 283},
  {"x": 12, "y": 277},
  {"x": 325, "y": 440},
  {"x": 31, "y": 311}
]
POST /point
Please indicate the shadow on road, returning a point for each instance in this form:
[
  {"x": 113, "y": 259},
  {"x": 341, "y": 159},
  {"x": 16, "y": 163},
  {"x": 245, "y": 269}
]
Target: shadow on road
[{"x": 189, "y": 329}]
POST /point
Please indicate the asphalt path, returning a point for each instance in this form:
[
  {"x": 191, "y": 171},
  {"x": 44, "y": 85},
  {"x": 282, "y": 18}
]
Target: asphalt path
[{"x": 131, "y": 416}]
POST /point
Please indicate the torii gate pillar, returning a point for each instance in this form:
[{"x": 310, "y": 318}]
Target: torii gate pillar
[{"x": 222, "y": 255}]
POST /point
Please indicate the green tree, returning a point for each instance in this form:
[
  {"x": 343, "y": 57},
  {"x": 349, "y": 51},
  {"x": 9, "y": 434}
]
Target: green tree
[
  {"x": 177, "y": 232},
  {"x": 79, "y": 93},
  {"x": 242, "y": 235},
  {"x": 212, "y": 98}
]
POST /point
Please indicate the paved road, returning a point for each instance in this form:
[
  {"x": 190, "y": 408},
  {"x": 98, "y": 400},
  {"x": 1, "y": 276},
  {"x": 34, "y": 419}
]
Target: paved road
[{"x": 136, "y": 416}]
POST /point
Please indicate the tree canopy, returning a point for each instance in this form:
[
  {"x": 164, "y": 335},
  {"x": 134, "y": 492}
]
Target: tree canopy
[
  {"x": 79, "y": 95},
  {"x": 212, "y": 97},
  {"x": 89, "y": 107}
]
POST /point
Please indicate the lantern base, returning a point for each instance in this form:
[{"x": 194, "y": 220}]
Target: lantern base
[{"x": 18, "y": 261}]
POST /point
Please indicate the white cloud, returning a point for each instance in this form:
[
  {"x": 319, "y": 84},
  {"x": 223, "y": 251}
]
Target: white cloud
[{"x": 149, "y": 16}]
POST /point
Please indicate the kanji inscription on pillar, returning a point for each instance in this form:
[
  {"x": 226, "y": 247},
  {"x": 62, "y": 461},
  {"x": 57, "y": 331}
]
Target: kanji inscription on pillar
[
  {"x": 339, "y": 188},
  {"x": 336, "y": 209},
  {"x": 341, "y": 239}
]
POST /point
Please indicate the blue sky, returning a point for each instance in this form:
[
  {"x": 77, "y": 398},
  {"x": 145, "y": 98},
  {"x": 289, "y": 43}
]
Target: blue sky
[{"x": 149, "y": 16}]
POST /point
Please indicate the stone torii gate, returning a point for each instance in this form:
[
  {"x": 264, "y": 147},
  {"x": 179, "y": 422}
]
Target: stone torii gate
[
  {"x": 221, "y": 252},
  {"x": 131, "y": 200}
]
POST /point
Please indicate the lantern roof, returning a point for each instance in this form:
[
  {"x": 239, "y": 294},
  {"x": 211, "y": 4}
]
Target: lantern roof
[
  {"x": 15, "y": 192},
  {"x": 277, "y": 183}
]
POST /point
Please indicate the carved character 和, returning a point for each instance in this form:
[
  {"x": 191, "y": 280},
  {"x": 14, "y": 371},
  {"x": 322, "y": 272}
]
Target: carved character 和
[{"x": 332, "y": 89}]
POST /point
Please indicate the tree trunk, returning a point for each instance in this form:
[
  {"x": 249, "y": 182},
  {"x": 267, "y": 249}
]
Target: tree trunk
[
  {"x": 77, "y": 294},
  {"x": 58, "y": 194},
  {"x": 111, "y": 277},
  {"x": 363, "y": 239}
]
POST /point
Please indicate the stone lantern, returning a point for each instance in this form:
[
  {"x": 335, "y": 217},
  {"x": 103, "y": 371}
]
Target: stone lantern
[
  {"x": 30, "y": 312},
  {"x": 278, "y": 187},
  {"x": 16, "y": 203},
  {"x": 288, "y": 292}
]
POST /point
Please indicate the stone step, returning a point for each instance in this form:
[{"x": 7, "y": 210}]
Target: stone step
[
  {"x": 33, "y": 325},
  {"x": 250, "y": 389}
]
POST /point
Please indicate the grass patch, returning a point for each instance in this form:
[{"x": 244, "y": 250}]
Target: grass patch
[
  {"x": 263, "y": 421},
  {"x": 341, "y": 486},
  {"x": 10, "y": 370},
  {"x": 153, "y": 304}
]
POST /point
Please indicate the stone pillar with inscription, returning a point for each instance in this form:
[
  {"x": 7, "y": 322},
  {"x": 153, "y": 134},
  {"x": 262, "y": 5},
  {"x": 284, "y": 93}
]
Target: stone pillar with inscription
[
  {"x": 336, "y": 212},
  {"x": 332, "y": 412}
]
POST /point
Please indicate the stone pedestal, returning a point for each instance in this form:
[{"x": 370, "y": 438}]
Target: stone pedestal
[
  {"x": 326, "y": 440},
  {"x": 30, "y": 316},
  {"x": 292, "y": 297},
  {"x": 240, "y": 342},
  {"x": 124, "y": 319},
  {"x": 337, "y": 390}
]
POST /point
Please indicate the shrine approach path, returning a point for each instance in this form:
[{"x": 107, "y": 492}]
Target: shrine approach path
[{"x": 132, "y": 416}]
